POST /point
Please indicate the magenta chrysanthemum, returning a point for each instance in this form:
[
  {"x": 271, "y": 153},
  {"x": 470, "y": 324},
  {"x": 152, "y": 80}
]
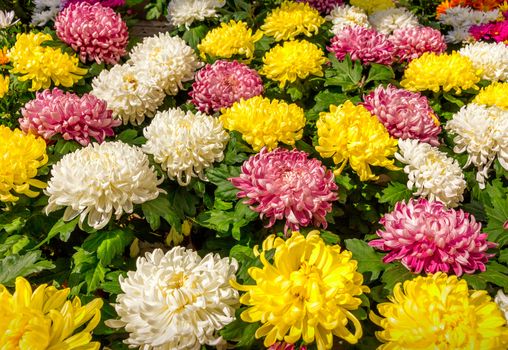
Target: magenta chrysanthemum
[
  {"x": 364, "y": 44},
  {"x": 97, "y": 33},
  {"x": 287, "y": 185},
  {"x": 75, "y": 118},
  {"x": 223, "y": 83},
  {"x": 426, "y": 236},
  {"x": 107, "y": 3},
  {"x": 412, "y": 42},
  {"x": 496, "y": 31},
  {"x": 405, "y": 114},
  {"x": 323, "y": 6}
]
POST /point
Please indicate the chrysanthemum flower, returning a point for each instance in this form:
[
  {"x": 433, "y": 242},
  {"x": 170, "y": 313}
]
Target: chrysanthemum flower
[
  {"x": 405, "y": 114},
  {"x": 293, "y": 60},
  {"x": 44, "y": 11},
  {"x": 372, "y": 6},
  {"x": 287, "y": 185},
  {"x": 489, "y": 58},
  {"x": 22, "y": 155},
  {"x": 427, "y": 236},
  {"x": 386, "y": 21},
  {"x": 99, "y": 179},
  {"x": 444, "y": 314},
  {"x": 264, "y": 122},
  {"x": 45, "y": 319},
  {"x": 345, "y": 16},
  {"x": 502, "y": 302},
  {"x": 31, "y": 61},
  {"x": 228, "y": 40},
  {"x": 176, "y": 300},
  {"x": 493, "y": 95},
  {"x": 323, "y": 6},
  {"x": 364, "y": 44},
  {"x": 130, "y": 92},
  {"x": 286, "y": 346},
  {"x": 185, "y": 144},
  {"x": 497, "y": 31},
  {"x": 482, "y": 132},
  {"x": 411, "y": 43},
  {"x": 6, "y": 19},
  {"x": 185, "y": 12},
  {"x": 432, "y": 173},
  {"x": 316, "y": 288},
  {"x": 4, "y": 85},
  {"x": 349, "y": 133},
  {"x": 292, "y": 19},
  {"x": 75, "y": 118},
  {"x": 97, "y": 33},
  {"x": 462, "y": 18},
  {"x": 167, "y": 59},
  {"x": 108, "y": 3},
  {"x": 223, "y": 83},
  {"x": 440, "y": 72}
]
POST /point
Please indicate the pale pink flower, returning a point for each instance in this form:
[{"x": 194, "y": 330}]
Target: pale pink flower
[
  {"x": 107, "y": 3},
  {"x": 412, "y": 42},
  {"x": 323, "y": 6}
]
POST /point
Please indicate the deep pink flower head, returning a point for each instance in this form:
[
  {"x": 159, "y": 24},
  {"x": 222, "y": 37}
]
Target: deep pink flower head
[
  {"x": 287, "y": 185},
  {"x": 496, "y": 31},
  {"x": 364, "y": 44},
  {"x": 426, "y": 236},
  {"x": 97, "y": 33},
  {"x": 323, "y": 6},
  {"x": 412, "y": 42},
  {"x": 286, "y": 346},
  {"x": 223, "y": 83},
  {"x": 107, "y": 3},
  {"x": 75, "y": 118},
  {"x": 405, "y": 114}
]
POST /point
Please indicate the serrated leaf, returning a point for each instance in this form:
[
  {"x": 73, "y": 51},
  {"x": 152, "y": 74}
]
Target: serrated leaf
[
  {"x": 368, "y": 259},
  {"x": 130, "y": 137},
  {"x": 62, "y": 228},
  {"x": 157, "y": 208},
  {"x": 395, "y": 192},
  {"x": 453, "y": 99},
  {"x": 112, "y": 244},
  {"x": 219, "y": 177},
  {"x": 217, "y": 220},
  {"x": 394, "y": 274},
  {"x": 495, "y": 273},
  {"x": 345, "y": 73},
  {"x": 380, "y": 72},
  {"x": 13, "y": 245},
  {"x": 15, "y": 265},
  {"x": 295, "y": 93},
  {"x": 63, "y": 147},
  {"x": 330, "y": 237},
  {"x": 194, "y": 35},
  {"x": 497, "y": 213},
  {"x": 94, "y": 277}
]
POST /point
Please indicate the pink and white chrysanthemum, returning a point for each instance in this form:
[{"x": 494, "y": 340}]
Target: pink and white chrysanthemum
[
  {"x": 323, "y": 6},
  {"x": 410, "y": 43}
]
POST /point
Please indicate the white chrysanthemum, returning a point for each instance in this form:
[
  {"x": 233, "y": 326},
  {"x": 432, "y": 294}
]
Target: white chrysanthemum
[
  {"x": 388, "y": 20},
  {"x": 490, "y": 58},
  {"x": 431, "y": 172},
  {"x": 501, "y": 300},
  {"x": 99, "y": 179},
  {"x": 168, "y": 59},
  {"x": 45, "y": 11},
  {"x": 185, "y": 144},
  {"x": 176, "y": 301},
  {"x": 461, "y": 19},
  {"x": 482, "y": 132},
  {"x": 6, "y": 18},
  {"x": 345, "y": 16},
  {"x": 187, "y": 11},
  {"x": 131, "y": 93}
]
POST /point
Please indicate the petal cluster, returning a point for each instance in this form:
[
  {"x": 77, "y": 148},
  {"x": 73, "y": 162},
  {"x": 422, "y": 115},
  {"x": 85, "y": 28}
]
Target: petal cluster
[
  {"x": 4, "y": 85},
  {"x": 185, "y": 12},
  {"x": 345, "y": 15},
  {"x": 489, "y": 58},
  {"x": 493, "y": 95},
  {"x": 372, "y": 6},
  {"x": 502, "y": 301},
  {"x": 411, "y": 43},
  {"x": 387, "y": 21},
  {"x": 323, "y": 6}
]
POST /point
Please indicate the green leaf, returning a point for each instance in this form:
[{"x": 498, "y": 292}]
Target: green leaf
[
  {"x": 13, "y": 245},
  {"x": 219, "y": 176},
  {"x": 503, "y": 256},
  {"x": 453, "y": 99},
  {"x": 94, "y": 277},
  {"x": 497, "y": 213},
  {"x": 295, "y": 93},
  {"x": 495, "y": 273},
  {"x": 130, "y": 137},
  {"x": 380, "y": 72},
  {"x": 194, "y": 35},
  {"x": 113, "y": 244},
  {"x": 330, "y": 237},
  {"x": 22, "y": 265},
  {"x": 217, "y": 220},
  {"x": 240, "y": 331},
  {"x": 63, "y": 147},
  {"x": 326, "y": 98},
  {"x": 345, "y": 73},
  {"x": 158, "y": 208},
  {"x": 395, "y": 192},
  {"x": 394, "y": 274},
  {"x": 368, "y": 259},
  {"x": 62, "y": 228}
]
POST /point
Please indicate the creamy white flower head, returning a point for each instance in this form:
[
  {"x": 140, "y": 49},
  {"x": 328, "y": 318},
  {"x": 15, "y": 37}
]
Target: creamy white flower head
[
  {"x": 187, "y": 11},
  {"x": 130, "y": 91},
  {"x": 185, "y": 144},
  {"x": 490, "y": 58},
  {"x": 345, "y": 16},
  {"x": 459, "y": 35},
  {"x": 168, "y": 59},
  {"x": 176, "y": 301},
  {"x": 462, "y": 18},
  {"x": 501, "y": 300},
  {"x": 388, "y": 20},
  {"x": 45, "y": 11},
  {"x": 101, "y": 179},
  {"x": 482, "y": 132},
  {"x": 431, "y": 172},
  {"x": 6, "y": 18}
]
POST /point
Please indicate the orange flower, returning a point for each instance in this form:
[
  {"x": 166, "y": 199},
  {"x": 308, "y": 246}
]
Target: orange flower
[{"x": 3, "y": 56}]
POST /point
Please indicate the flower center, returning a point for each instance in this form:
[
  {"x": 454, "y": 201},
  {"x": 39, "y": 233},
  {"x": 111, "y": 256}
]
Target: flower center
[
  {"x": 27, "y": 330},
  {"x": 131, "y": 82}
]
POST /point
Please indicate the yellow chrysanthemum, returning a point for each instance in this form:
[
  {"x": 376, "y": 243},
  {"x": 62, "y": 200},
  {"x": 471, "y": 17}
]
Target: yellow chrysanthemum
[
  {"x": 228, "y": 40},
  {"x": 351, "y": 133},
  {"x": 42, "y": 64},
  {"x": 445, "y": 71},
  {"x": 4, "y": 85},
  {"x": 496, "y": 94},
  {"x": 265, "y": 123},
  {"x": 308, "y": 293},
  {"x": 293, "y": 60},
  {"x": 439, "y": 312},
  {"x": 21, "y": 156},
  {"x": 373, "y": 5},
  {"x": 292, "y": 19},
  {"x": 45, "y": 319}
]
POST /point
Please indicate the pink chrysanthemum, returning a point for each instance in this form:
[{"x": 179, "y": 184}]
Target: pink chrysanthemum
[
  {"x": 323, "y": 6},
  {"x": 426, "y": 236},
  {"x": 405, "y": 114},
  {"x": 223, "y": 83},
  {"x": 496, "y": 31},
  {"x": 287, "y": 185},
  {"x": 286, "y": 346},
  {"x": 364, "y": 44},
  {"x": 412, "y": 42},
  {"x": 97, "y": 33},
  {"x": 75, "y": 118},
  {"x": 107, "y": 3}
]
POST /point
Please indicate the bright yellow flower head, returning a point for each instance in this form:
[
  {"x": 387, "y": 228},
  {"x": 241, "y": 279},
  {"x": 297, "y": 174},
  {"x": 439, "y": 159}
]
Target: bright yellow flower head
[
  {"x": 228, "y": 40},
  {"x": 445, "y": 71},
  {"x": 265, "y": 123},
  {"x": 496, "y": 94},
  {"x": 20, "y": 157},
  {"x": 308, "y": 293},
  {"x": 373, "y": 5},
  {"x": 4, "y": 85},
  {"x": 351, "y": 133},
  {"x": 42, "y": 64},
  {"x": 45, "y": 320},
  {"x": 292, "y": 19},
  {"x": 293, "y": 60},
  {"x": 439, "y": 312}
]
